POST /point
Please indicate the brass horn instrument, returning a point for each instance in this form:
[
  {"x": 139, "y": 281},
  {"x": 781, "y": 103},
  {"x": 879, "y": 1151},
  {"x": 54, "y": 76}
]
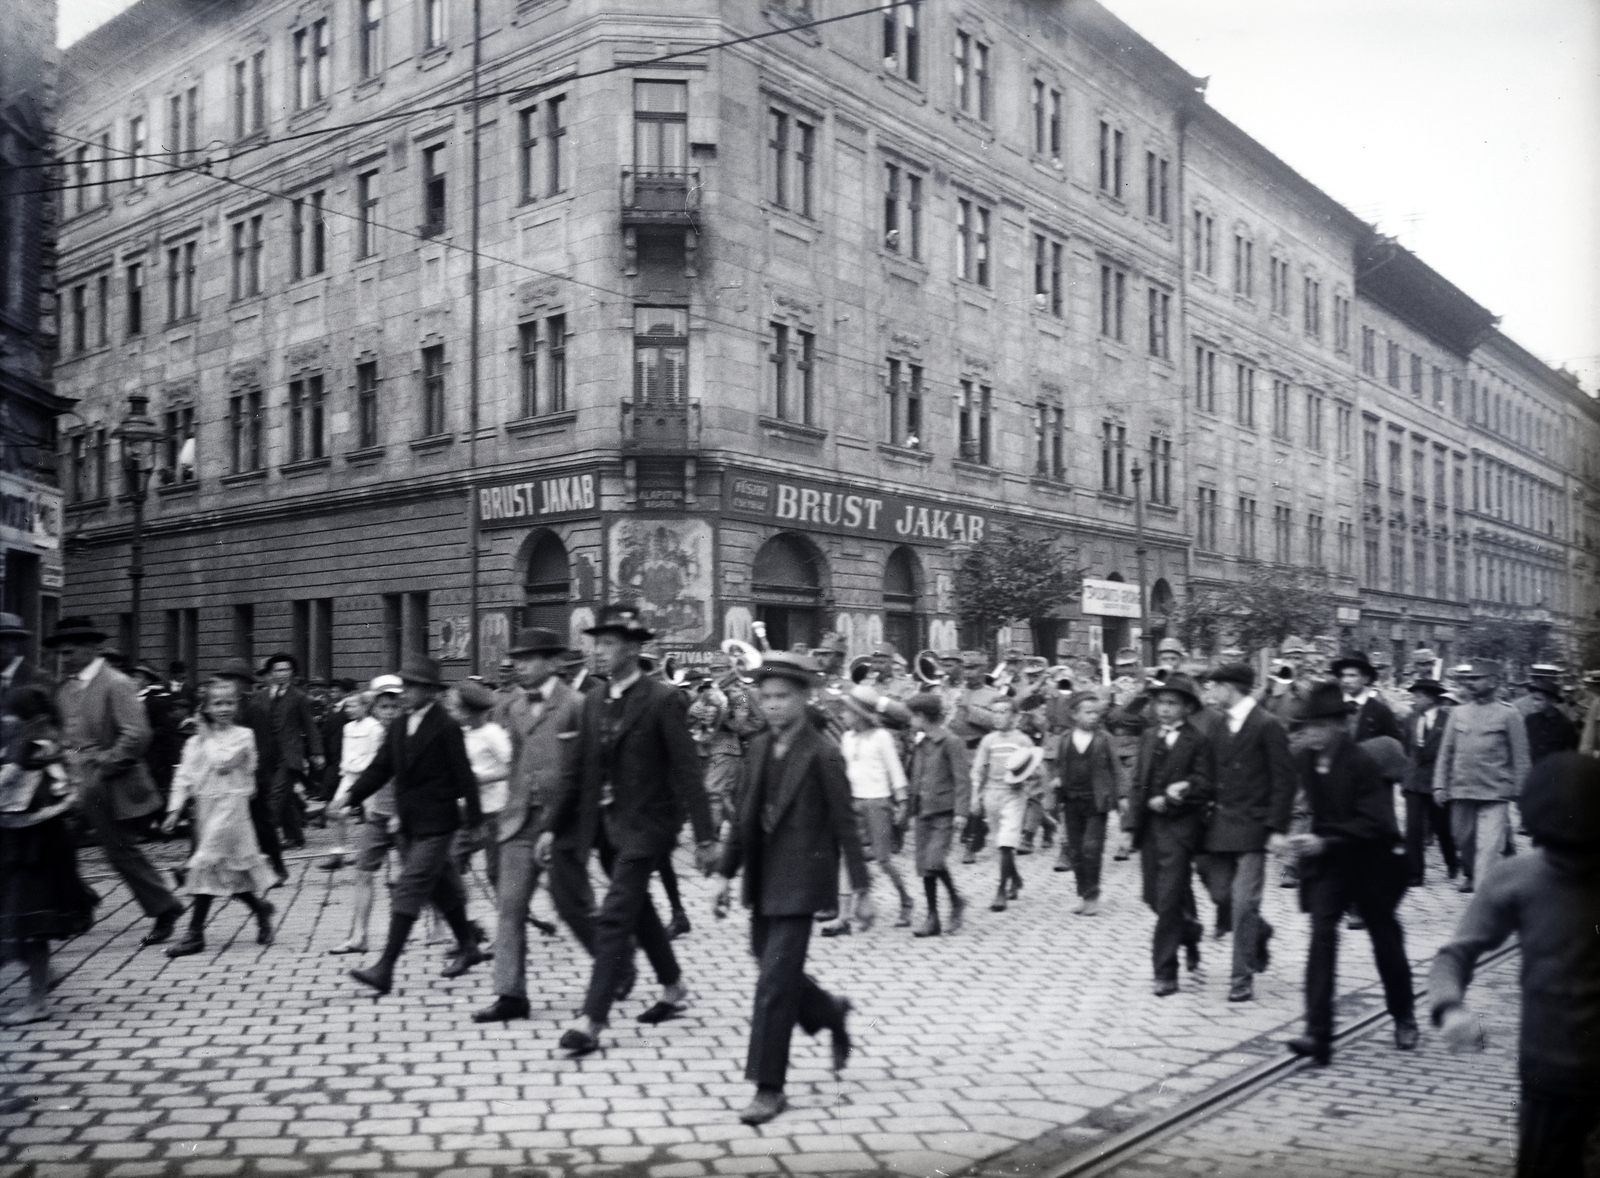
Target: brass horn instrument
[
  {"x": 926, "y": 668},
  {"x": 860, "y": 668},
  {"x": 746, "y": 657}
]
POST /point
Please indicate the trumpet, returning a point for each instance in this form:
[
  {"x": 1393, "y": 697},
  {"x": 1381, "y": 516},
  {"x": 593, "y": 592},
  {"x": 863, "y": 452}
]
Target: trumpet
[{"x": 746, "y": 657}]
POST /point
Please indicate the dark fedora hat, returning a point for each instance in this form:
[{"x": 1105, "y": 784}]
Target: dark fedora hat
[
  {"x": 796, "y": 668},
  {"x": 1428, "y": 687},
  {"x": 12, "y": 626},
  {"x": 1560, "y": 802},
  {"x": 1241, "y": 675},
  {"x": 280, "y": 656},
  {"x": 1356, "y": 661},
  {"x": 1178, "y": 684},
  {"x": 77, "y": 629},
  {"x": 1325, "y": 701},
  {"x": 419, "y": 668},
  {"x": 622, "y": 620},
  {"x": 534, "y": 640}
]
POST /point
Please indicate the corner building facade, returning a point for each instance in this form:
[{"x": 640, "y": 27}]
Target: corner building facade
[{"x": 768, "y": 331}]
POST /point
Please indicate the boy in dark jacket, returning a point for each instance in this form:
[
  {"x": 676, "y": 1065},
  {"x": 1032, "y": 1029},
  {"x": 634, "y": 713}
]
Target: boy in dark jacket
[
  {"x": 940, "y": 786},
  {"x": 1551, "y": 901},
  {"x": 1089, "y": 781}
]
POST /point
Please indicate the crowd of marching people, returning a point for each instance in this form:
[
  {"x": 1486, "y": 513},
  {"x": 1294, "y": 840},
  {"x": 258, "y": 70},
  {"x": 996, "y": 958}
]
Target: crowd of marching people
[{"x": 801, "y": 772}]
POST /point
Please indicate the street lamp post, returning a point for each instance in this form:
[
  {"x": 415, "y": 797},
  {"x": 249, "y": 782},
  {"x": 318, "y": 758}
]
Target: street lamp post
[
  {"x": 1137, "y": 472},
  {"x": 138, "y": 435}
]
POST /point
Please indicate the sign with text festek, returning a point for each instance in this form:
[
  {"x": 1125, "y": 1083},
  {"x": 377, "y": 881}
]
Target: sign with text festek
[
  {"x": 807, "y": 504},
  {"x": 522, "y": 504},
  {"x": 1110, "y": 599}
]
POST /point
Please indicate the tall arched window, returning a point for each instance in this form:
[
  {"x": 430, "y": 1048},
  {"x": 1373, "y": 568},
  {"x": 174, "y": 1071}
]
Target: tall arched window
[
  {"x": 546, "y": 583},
  {"x": 786, "y": 588},
  {"x": 902, "y": 588}
]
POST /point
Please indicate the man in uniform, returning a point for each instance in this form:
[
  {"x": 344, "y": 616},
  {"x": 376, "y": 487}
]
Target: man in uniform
[
  {"x": 1125, "y": 723},
  {"x": 970, "y": 717},
  {"x": 736, "y": 721},
  {"x": 1170, "y": 655},
  {"x": 1482, "y": 763}
]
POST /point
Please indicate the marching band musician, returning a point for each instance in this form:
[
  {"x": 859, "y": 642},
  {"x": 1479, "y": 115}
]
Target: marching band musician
[{"x": 721, "y": 718}]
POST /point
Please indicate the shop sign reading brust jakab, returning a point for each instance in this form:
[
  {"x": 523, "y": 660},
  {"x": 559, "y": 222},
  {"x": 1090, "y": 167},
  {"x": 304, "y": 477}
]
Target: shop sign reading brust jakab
[
  {"x": 839, "y": 507},
  {"x": 510, "y": 505}
]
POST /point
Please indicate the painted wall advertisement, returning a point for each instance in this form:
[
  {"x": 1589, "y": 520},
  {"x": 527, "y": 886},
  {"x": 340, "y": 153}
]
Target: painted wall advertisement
[
  {"x": 853, "y": 511},
  {"x": 666, "y": 565}
]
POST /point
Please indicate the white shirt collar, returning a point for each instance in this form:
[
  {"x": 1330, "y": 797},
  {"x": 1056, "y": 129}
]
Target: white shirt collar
[
  {"x": 91, "y": 670},
  {"x": 1081, "y": 739},
  {"x": 1238, "y": 711},
  {"x": 11, "y": 669},
  {"x": 1358, "y": 700},
  {"x": 618, "y": 686},
  {"x": 547, "y": 688}
]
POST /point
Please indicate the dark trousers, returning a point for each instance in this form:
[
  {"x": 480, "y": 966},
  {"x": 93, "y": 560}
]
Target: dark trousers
[
  {"x": 1555, "y": 1132},
  {"x": 1234, "y": 879},
  {"x": 785, "y": 995},
  {"x": 119, "y": 840},
  {"x": 1424, "y": 816},
  {"x": 428, "y": 875},
  {"x": 626, "y": 914},
  {"x": 283, "y": 804},
  {"x": 1169, "y": 891},
  {"x": 1085, "y": 842},
  {"x": 1370, "y": 877},
  {"x": 266, "y": 832},
  {"x": 572, "y": 894}
]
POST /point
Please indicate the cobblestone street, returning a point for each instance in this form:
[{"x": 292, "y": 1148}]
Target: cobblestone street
[{"x": 1031, "y": 1026}]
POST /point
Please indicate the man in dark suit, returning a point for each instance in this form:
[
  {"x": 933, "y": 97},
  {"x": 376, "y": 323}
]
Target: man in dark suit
[
  {"x": 1424, "y": 729},
  {"x": 1368, "y": 715},
  {"x": 1351, "y": 857},
  {"x": 542, "y": 719},
  {"x": 288, "y": 743},
  {"x": 795, "y": 817},
  {"x": 1172, "y": 790},
  {"x": 105, "y": 731},
  {"x": 426, "y": 756},
  {"x": 1255, "y": 783},
  {"x": 625, "y": 794}
]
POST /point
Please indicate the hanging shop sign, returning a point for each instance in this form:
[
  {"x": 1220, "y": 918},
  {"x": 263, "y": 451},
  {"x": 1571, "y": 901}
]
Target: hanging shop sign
[
  {"x": 30, "y": 516},
  {"x": 1110, "y": 599},
  {"x": 839, "y": 507},
  {"x": 519, "y": 504}
]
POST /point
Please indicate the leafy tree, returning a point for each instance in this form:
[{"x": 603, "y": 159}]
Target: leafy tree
[
  {"x": 1262, "y": 610},
  {"x": 1008, "y": 577},
  {"x": 1516, "y": 643}
]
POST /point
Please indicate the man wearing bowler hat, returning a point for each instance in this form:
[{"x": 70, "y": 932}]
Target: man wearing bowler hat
[
  {"x": 1424, "y": 730},
  {"x": 795, "y": 819},
  {"x": 15, "y": 670},
  {"x": 426, "y": 756},
  {"x": 105, "y": 731},
  {"x": 542, "y": 716},
  {"x": 1483, "y": 761},
  {"x": 1369, "y": 715},
  {"x": 288, "y": 743},
  {"x": 626, "y": 792}
]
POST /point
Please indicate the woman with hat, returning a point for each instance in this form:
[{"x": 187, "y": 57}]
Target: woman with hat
[
  {"x": 42, "y": 897},
  {"x": 1000, "y": 795},
  {"x": 1174, "y": 784},
  {"x": 877, "y": 789},
  {"x": 1351, "y": 857}
]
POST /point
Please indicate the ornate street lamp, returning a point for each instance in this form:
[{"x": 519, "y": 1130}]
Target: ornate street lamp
[{"x": 138, "y": 435}]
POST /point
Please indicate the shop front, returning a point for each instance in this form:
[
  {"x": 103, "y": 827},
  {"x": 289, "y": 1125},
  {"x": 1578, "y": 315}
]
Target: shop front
[{"x": 30, "y": 537}]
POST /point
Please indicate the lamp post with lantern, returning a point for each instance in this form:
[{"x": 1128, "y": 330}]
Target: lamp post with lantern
[
  {"x": 1137, "y": 472},
  {"x": 138, "y": 435}
]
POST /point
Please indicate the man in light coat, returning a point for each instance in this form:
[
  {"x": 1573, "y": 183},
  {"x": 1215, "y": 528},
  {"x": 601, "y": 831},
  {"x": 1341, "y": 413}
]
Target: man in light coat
[
  {"x": 542, "y": 717},
  {"x": 1483, "y": 761},
  {"x": 106, "y": 731}
]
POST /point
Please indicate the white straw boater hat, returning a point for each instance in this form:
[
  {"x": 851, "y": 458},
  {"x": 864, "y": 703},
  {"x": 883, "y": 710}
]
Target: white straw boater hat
[{"x": 1023, "y": 764}]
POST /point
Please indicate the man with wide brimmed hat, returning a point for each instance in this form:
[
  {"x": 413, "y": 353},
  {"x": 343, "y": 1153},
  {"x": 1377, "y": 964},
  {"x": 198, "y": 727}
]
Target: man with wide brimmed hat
[
  {"x": 15, "y": 670},
  {"x": 634, "y": 777},
  {"x": 542, "y": 717},
  {"x": 794, "y": 823},
  {"x": 425, "y": 754},
  {"x": 1424, "y": 731},
  {"x": 1483, "y": 761},
  {"x": 1172, "y": 789},
  {"x": 1369, "y": 715},
  {"x": 1351, "y": 857},
  {"x": 105, "y": 731}
]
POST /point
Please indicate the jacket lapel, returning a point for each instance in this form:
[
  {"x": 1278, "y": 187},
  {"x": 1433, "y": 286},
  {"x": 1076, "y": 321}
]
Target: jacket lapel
[
  {"x": 432, "y": 723},
  {"x": 795, "y": 767}
]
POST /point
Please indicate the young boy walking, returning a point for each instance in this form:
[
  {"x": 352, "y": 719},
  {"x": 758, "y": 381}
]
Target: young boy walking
[
  {"x": 1089, "y": 780},
  {"x": 939, "y": 785}
]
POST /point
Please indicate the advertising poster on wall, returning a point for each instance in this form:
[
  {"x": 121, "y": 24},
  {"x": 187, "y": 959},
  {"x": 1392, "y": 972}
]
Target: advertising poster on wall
[{"x": 665, "y": 565}]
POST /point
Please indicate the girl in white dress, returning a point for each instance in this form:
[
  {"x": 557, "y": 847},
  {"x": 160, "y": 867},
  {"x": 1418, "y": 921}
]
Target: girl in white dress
[{"x": 218, "y": 771}]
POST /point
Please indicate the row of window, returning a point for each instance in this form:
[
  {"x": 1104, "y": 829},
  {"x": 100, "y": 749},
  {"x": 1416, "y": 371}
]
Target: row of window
[
  {"x": 1291, "y": 542},
  {"x": 1312, "y": 403}
]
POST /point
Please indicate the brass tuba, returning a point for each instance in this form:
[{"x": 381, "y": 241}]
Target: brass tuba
[
  {"x": 926, "y": 668},
  {"x": 746, "y": 657},
  {"x": 860, "y": 668}
]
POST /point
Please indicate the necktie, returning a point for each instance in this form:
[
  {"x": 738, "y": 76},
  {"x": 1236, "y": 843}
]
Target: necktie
[{"x": 1169, "y": 734}]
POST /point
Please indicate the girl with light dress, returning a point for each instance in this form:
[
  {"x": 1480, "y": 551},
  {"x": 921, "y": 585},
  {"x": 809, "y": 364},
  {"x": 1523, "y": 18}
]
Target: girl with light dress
[{"x": 218, "y": 773}]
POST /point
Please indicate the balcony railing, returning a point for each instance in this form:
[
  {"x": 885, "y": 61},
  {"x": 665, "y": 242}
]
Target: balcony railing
[
  {"x": 660, "y": 196},
  {"x": 663, "y": 427}
]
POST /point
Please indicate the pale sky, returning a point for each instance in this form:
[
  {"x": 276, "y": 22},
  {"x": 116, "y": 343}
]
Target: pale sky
[{"x": 1469, "y": 129}]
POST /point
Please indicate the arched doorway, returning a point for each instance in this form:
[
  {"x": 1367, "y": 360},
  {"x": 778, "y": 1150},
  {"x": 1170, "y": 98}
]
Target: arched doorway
[
  {"x": 902, "y": 591},
  {"x": 786, "y": 588},
  {"x": 546, "y": 582}
]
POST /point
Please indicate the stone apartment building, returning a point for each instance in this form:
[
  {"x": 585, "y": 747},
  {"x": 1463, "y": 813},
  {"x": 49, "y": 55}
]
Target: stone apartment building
[
  {"x": 766, "y": 331},
  {"x": 30, "y": 500}
]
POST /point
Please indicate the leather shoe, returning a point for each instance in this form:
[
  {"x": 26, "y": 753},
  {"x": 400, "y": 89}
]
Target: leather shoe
[
  {"x": 1014, "y": 888},
  {"x": 1089, "y": 908},
  {"x": 1318, "y": 1050},
  {"x": 1244, "y": 991},
  {"x": 905, "y": 916},
  {"x": 164, "y": 925},
  {"x": 826, "y": 915},
  {"x": 1191, "y": 957},
  {"x": 841, "y": 1036},
  {"x": 578, "y": 1042},
  {"x": 839, "y": 928},
  {"x": 662, "y": 1011},
  {"x": 958, "y": 913},
  {"x": 1465, "y": 885},
  {"x": 999, "y": 904},
  {"x": 188, "y": 947},
  {"x": 376, "y": 976},
  {"x": 1406, "y": 1034},
  {"x": 1166, "y": 987},
  {"x": 264, "y": 924},
  {"x": 678, "y": 925},
  {"x": 930, "y": 927},
  {"x": 502, "y": 1010},
  {"x": 463, "y": 959},
  {"x": 763, "y": 1108}
]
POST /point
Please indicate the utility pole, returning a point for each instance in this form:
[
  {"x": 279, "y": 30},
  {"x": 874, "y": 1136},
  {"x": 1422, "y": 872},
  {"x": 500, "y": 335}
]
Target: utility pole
[
  {"x": 472, "y": 362},
  {"x": 1138, "y": 551}
]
